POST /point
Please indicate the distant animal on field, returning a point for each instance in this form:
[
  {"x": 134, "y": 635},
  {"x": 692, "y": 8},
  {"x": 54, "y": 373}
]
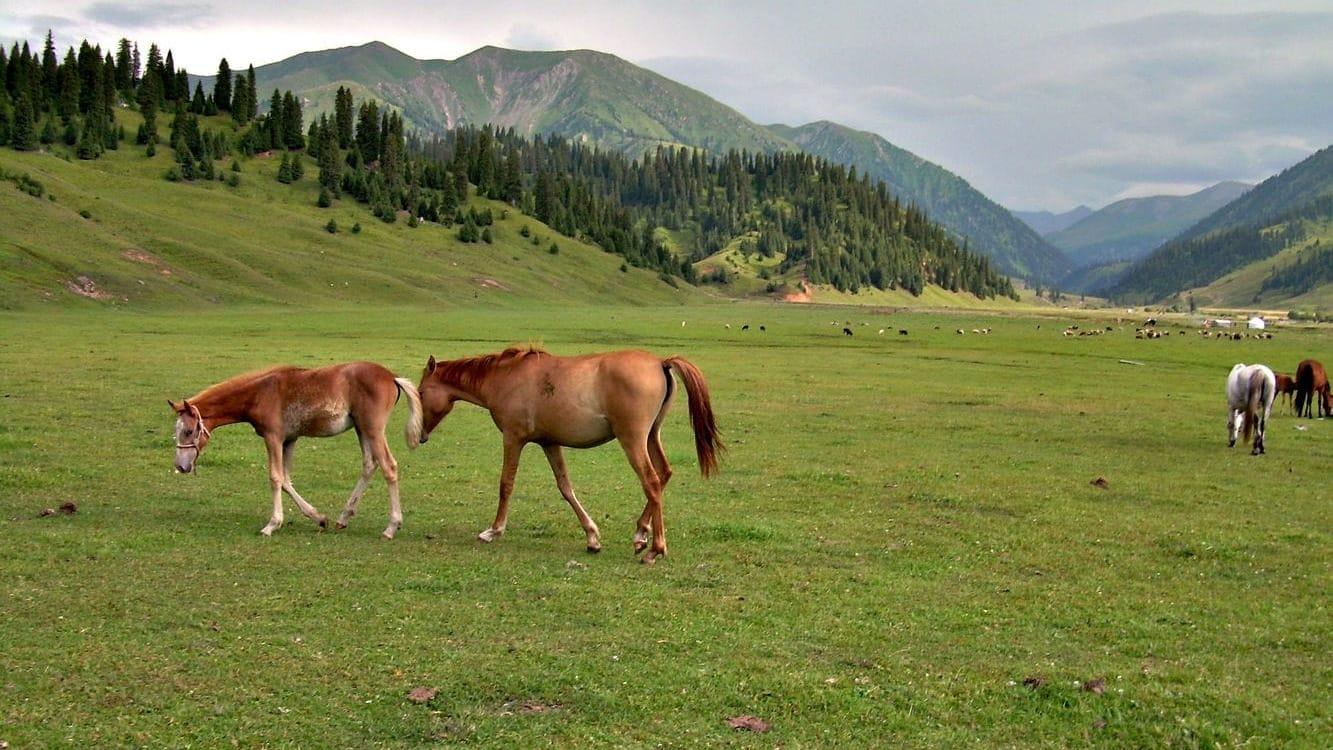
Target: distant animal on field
[
  {"x": 762, "y": 328},
  {"x": 1311, "y": 383},
  {"x": 881, "y": 332},
  {"x": 902, "y": 331},
  {"x": 1250, "y": 393},
  {"x": 283, "y": 404},
  {"x": 745, "y": 327},
  {"x": 960, "y": 332},
  {"x": 846, "y": 331},
  {"x": 1150, "y": 322}
]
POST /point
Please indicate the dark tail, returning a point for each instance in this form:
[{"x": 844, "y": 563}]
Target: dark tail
[
  {"x": 1254, "y": 404},
  {"x": 707, "y": 442}
]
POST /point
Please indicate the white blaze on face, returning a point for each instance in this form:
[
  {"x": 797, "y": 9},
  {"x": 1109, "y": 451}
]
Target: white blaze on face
[{"x": 185, "y": 456}]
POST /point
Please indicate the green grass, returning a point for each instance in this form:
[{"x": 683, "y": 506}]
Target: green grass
[{"x": 903, "y": 532}]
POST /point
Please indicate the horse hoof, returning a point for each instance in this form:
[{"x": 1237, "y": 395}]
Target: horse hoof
[
  {"x": 640, "y": 545},
  {"x": 266, "y": 531},
  {"x": 594, "y": 549},
  {"x": 489, "y": 535},
  {"x": 340, "y": 525},
  {"x": 648, "y": 559},
  {"x": 323, "y": 523}
]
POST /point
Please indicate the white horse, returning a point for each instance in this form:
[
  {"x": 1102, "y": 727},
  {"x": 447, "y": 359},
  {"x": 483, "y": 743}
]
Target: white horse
[{"x": 1250, "y": 393}]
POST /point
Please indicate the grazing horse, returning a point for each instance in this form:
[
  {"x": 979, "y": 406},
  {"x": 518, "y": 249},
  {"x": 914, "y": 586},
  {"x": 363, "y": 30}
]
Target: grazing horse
[
  {"x": 1311, "y": 381},
  {"x": 1286, "y": 386},
  {"x": 286, "y": 403},
  {"x": 578, "y": 402},
  {"x": 846, "y": 331},
  {"x": 1250, "y": 393}
]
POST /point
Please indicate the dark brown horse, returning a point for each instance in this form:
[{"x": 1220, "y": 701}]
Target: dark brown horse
[
  {"x": 578, "y": 402},
  {"x": 1312, "y": 392},
  {"x": 286, "y": 403}
]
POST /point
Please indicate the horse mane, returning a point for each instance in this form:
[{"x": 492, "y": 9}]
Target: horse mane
[
  {"x": 238, "y": 381},
  {"x": 469, "y": 372}
]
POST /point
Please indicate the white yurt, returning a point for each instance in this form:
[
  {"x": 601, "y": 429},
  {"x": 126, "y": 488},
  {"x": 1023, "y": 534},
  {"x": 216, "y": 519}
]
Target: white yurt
[{"x": 1258, "y": 323}]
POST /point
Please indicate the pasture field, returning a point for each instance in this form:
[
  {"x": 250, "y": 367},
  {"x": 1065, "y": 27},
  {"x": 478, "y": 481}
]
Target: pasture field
[{"x": 903, "y": 533}]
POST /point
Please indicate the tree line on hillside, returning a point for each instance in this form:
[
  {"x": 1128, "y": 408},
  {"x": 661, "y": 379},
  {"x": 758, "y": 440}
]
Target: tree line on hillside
[
  {"x": 1182, "y": 264},
  {"x": 1312, "y": 268},
  {"x": 825, "y": 220}
]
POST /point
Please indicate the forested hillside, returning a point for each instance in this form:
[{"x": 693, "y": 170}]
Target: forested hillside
[
  {"x": 944, "y": 196},
  {"x": 822, "y": 222}
]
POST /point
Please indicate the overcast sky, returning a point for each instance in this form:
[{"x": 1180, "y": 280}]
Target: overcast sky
[{"x": 1040, "y": 104}]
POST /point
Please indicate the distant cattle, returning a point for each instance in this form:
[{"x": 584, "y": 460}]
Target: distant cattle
[
  {"x": 846, "y": 331},
  {"x": 902, "y": 331}
]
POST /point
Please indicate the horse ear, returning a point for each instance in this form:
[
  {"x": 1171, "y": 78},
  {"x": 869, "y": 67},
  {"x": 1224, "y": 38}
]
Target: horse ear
[
  {"x": 430, "y": 364},
  {"x": 176, "y": 407}
]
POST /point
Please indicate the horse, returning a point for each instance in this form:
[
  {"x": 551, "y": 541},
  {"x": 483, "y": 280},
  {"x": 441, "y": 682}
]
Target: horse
[
  {"x": 1250, "y": 393},
  {"x": 1311, "y": 380},
  {"x": 283, "y": 404},
  {"x": 1286, "y": 386},
  {"x": 578, "y": 402}
]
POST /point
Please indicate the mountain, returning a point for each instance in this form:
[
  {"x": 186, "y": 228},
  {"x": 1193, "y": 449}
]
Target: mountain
[
  {"x": 579, "y": 94},
  {"x": 947, "y": 198},
  {"x": 1046, "y": 222},
  {"x": 1284, "y": 213},
  {"x": 1131, "y": 228},
  {"x": 601, "y": 99}
]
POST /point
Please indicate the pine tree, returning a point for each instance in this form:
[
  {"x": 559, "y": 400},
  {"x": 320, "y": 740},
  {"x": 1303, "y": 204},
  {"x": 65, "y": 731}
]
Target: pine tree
[
  {"x": 69, "y": 88},
  {"x": 49, "y": 134},
  {"x": 222, "y": 86},
  {"x": 136, "y": 70},
  {"x": 251, "y": 95},
  {"x": 90, "y": 140},
  {"x": 50, "y": 68},
  {"x": 198, "y": 104},
  {"x": 125, "y": 68},
  {"x": 169, "y": 80},
  {"x": 150, "y": 94},
  {"x": 330, "y": 161},
  {"x": 513, "y": 179},
  {"x": 23, "y": 133},
  {"x": 342, "y": 116},
  {"x": 368, "y": 132},
  {"x": 285, "y": 169}
]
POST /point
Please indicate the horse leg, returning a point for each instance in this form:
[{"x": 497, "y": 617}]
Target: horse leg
[
  {"x": 512, "y": 448},
  {"x": 636, "y": 450},
  {"x": 1231, "y": 428},
  {"x": 275, "y": 479},
  {"x": 389, "y": 467},
  {"x": 556, "y": 458},
  {"x": 367, "y": 471},
  {"x": 289, "y": 448},
  {"x": 658, "y": 456}
]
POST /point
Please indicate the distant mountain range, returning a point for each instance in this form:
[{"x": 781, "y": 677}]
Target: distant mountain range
[
  {"x": 1047, "y": 222},
  {"x": 1131, "y": 228},
  {"x": 604, "y": 100},
  {"x": 1274, "y": 223}
]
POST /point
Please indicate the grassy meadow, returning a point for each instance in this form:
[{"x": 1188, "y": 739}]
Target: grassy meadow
[{"x": 904, "y": 547}]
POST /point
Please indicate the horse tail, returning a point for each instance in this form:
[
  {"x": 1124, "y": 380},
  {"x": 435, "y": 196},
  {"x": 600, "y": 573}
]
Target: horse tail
[
  {"x": 414, "y": 427},
  {"x": 707, "y": 442},
  {"x": 1254, "y": 401}
]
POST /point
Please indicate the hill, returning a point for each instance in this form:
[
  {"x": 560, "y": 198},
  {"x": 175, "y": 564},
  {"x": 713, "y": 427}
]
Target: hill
[
  {"x": 578, "y": 94},
  {"x": 947, "y": 198},
  {"x": 147, "y": 242},
  {"x": 1294, "y": 186},
  {"x": 604, "y": 100},
  {"x": 1297, "y": 277},
  {"x": 1282, "y": 212},
  {"x": 1131, "y": 228},
  {"x": 1047, "y": 222}
]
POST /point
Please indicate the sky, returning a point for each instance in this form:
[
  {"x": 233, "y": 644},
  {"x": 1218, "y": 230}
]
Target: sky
[{"x": 1042, "y": 104}]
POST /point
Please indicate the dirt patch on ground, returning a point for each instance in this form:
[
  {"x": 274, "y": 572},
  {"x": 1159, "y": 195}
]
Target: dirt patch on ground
[
  {"x": 146, "y": 258},
  {"x": 805, "y": 294},
  {"x": 86, "y": 287},
  {"x": 486, "y": 283}
]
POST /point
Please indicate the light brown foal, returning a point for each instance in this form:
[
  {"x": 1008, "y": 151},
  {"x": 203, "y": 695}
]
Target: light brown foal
[
  {"x": 578, "y": 402},
  {"x": 286, "y": 403}
]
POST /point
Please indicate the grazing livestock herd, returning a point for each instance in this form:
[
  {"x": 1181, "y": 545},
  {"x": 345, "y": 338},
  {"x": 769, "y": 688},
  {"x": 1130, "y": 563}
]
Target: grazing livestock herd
[{"x": 578, "y": 402}]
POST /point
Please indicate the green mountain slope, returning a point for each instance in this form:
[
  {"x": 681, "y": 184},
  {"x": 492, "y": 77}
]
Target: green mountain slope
[
  {"x": 947, "y": 198},
  {"x": 1048, "y": 222},
  {"x": 604, "y": 100},
  {"x": 579, "y": 94},
  {"x": 1131, "y": 228},
  {"x": 1301, "y": 276},
  {"x": 150, "y": 242},
  {"x": 1277, "y": 195},
  {"x": 1270, "y": 218}
]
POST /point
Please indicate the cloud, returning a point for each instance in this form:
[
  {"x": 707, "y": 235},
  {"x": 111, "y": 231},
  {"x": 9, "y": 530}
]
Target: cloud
[
  {"x": 529, "y": 37},
  {"x": 150, "y": 16}
]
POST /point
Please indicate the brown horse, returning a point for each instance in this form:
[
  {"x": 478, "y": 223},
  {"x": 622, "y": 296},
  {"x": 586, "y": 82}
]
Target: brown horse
[
  {"x": 578, "y": 402},
  {"x": 1286, "y": 386},
  {"x": 286, "y": 403},
  {"x": 1311, "y": 381}
]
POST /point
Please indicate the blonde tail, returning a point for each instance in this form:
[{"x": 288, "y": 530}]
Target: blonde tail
[{"x": 413, "y": 430}]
